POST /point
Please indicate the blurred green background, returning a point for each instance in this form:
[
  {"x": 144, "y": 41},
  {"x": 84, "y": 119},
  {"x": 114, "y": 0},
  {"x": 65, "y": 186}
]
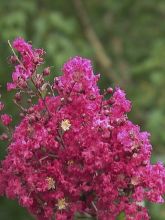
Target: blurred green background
[{"x": 124, "y": 39}]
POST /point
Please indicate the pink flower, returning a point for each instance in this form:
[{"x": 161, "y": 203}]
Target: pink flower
[
  {"x": 78, "y": 151},
  {"x": 11, "y": 86},
  {"x": 21, "y": 45},
  {"x": 6, "y": 119},
  {"x": 29, "y": 60}
]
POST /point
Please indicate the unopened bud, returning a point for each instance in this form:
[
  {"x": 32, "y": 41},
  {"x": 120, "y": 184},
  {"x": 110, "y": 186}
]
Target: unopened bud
[
  {"x": 30, "y": 110},
  {"x": 36, "y": 60},
  {"x": 69, "y": 99},
  {"x": 13, "y": 59},
  {"x": 110, "y": 90},
  {"x": 23, "y": 84},
  {"x": 22, "y": 114},
  {"x": 56, "y": 80},
  {"x": 41, "y": 60},
  {"x": 3, "y": 137},
  {"x": 17, "y": 96},
  {"x": 29, "y": 100},
  {"x": 46, "y": 71}
]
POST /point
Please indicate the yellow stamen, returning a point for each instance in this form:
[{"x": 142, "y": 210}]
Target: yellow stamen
[
  {"x": 51, "y": 183},
  {"x": 65, "y": 124},
  {"x": 61, "y": 204}
]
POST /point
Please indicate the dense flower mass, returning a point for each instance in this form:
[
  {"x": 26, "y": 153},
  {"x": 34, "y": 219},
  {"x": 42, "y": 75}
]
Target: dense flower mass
[
  {"x": 26, "y": 66},
  {"x": 77, "y": 152}
]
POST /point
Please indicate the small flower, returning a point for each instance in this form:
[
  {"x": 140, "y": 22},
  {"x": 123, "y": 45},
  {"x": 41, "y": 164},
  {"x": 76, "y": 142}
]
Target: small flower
[
  {"x": 3, "y": 137},
  {"x": 51, "y": 183},
  {"x": 61, "y": 204},
  {"x": 46, "y": 71},
  {"x": 11, "y": 86},
  {"x": 105, "y": 153},
  {"x": 65, "y": 124},
  {"x": 6, "y": 119}
]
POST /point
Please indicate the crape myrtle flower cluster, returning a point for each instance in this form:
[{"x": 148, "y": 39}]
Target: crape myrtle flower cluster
[{"x": 75, "y": 151}]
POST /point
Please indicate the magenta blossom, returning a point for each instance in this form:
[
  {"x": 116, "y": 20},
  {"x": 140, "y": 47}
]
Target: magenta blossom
[
  {"x": 26, "y": 65},
  {"x": 6, "y": 119},
  {"x": 77, "y": 152}
]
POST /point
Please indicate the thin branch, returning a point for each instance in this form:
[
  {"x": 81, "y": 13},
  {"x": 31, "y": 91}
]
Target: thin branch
[
  {"x": 94, "y": 206},
  {"x": 49, "y": 155},
  {"x": 20, "y": 106},
  {"x": 101, "y": 55},
  {"x": 40, "y": 96},
  {"x": 16, "y": 55}
]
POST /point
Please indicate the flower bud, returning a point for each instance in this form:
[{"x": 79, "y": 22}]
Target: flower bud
[
  {"x": 46, "y": 71},
  {"x": 110, "y": 90},
  {"x": 6, "y": 119},
  {"x": 30, "y": 110},
  {"x": 13, "y": 59},
  {"x": 22, "y": 114},
  {"x": 29, "y": 100},
  {"x": 18, "y": 96},
  {"x": 3, "y": 137}
]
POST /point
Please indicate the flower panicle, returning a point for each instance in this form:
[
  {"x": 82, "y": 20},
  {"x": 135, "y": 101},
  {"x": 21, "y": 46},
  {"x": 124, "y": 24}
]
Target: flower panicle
[{"x": 76, "y": 151}]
